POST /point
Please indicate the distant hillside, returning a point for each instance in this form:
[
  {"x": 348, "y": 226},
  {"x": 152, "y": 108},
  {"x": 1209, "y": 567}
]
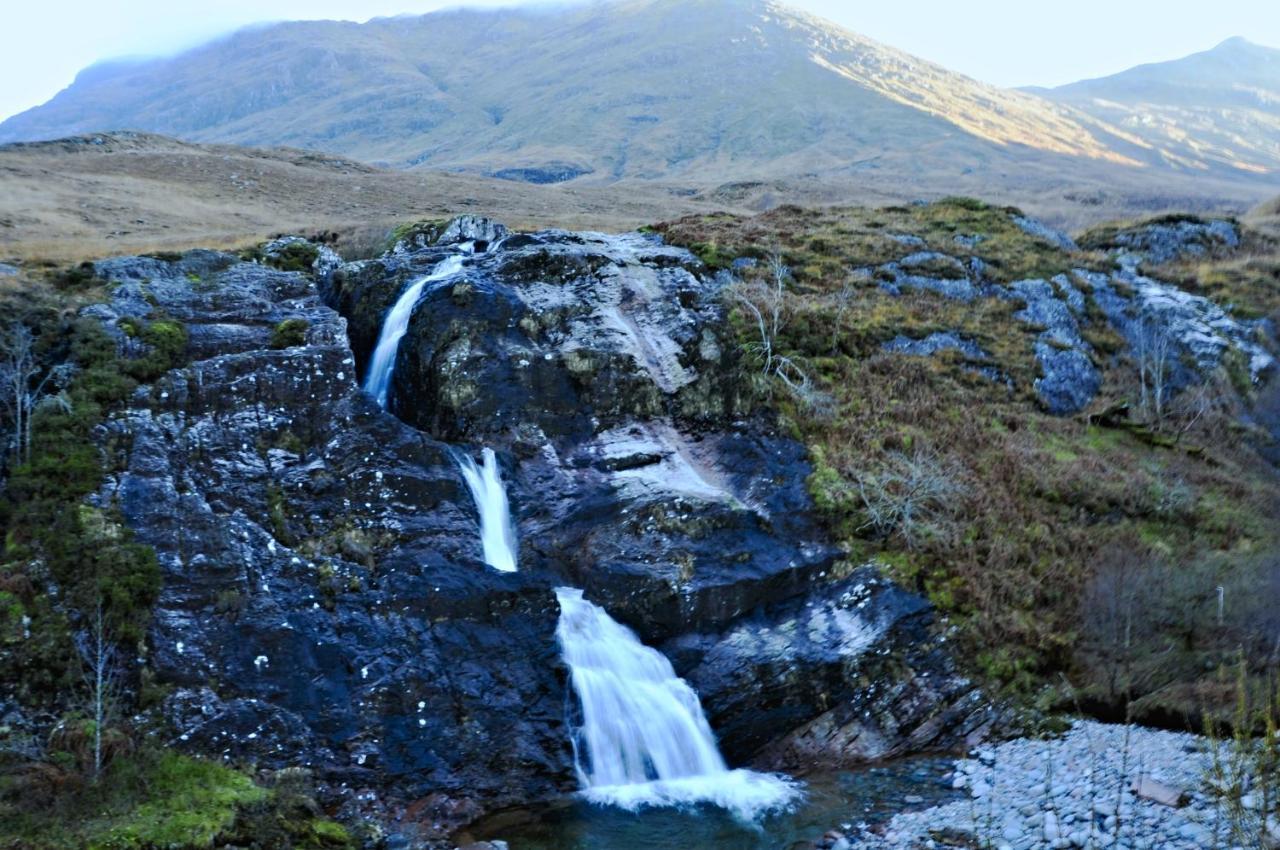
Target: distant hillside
[
  {"x": 697, "y": 91},
  {"x": 98, "y": 195},
  {"x": 1214, "y": 110}
]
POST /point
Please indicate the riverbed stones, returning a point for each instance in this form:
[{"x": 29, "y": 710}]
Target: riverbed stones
[{"x": 1075, "y": 791}]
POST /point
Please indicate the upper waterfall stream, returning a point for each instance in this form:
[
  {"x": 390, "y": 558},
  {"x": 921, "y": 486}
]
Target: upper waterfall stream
[
  {"x": 644, "y": 740},
  {"x": 378, "y": 381}
]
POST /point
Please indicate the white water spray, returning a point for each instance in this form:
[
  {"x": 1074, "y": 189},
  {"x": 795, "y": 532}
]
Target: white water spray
[
  {"x": 644, "y": 740},
  {"x": 378, "y": 382},
  {"x": 497, "y": 535}
]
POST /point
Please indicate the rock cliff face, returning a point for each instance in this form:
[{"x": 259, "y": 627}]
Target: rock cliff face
[{"x": 325, "y": 600}]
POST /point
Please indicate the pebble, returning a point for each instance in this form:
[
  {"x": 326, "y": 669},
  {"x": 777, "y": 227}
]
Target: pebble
[{"x": 1066, "y": 793}]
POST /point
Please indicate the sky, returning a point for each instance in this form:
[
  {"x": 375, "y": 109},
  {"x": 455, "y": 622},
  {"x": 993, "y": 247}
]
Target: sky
[{"x": 1005, "y": 42}]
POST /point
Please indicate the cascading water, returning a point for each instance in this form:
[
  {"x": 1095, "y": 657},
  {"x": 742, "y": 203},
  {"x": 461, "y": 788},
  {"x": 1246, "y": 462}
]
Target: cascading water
[
  {"x": 644, "y": 740},
  {"x": 497, "y": 535},
  {"x": 378, "y": 381}
]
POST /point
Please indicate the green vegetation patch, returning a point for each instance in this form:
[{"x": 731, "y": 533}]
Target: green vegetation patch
[
  {"x": 289, "y": 333},
  {"x": 156, "y": 798}
]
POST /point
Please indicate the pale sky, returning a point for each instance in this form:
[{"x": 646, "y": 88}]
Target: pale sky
[{"x": 1006, "y": 42}]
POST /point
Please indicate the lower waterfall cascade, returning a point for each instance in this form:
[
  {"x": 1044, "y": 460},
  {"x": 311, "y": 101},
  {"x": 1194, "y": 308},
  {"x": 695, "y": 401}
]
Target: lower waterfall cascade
[{"x": 644, "y": 740}]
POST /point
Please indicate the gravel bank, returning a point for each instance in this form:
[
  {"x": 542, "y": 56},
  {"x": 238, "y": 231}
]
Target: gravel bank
[{"x": 1072, "y": 791}]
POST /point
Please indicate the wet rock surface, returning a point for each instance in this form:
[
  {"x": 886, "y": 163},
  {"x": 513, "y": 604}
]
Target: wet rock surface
[
  {"x": 325, "y": 602},
  {"x": 861, "y": 650}
]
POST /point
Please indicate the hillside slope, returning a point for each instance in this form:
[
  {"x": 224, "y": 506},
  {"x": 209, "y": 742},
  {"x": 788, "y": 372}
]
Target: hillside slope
[
  {"x": 706, "y": 91},
  {"x": 88, "y": 196}
]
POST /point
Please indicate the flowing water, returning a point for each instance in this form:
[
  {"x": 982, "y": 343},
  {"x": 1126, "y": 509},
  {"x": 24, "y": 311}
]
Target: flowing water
[
  {"x": 378, "y": 381},
  {"x": 497, "y": 534},
  {"x": 832, "y": 801},
  {"x": 644, "y": 740}
]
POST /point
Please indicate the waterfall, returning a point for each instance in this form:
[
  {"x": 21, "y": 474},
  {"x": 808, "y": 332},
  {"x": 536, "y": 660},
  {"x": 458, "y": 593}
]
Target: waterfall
[
  {"x": 497, "y": 535},
  {"x": 644, "y": 740},
  {"x": 378, "y": 382}
]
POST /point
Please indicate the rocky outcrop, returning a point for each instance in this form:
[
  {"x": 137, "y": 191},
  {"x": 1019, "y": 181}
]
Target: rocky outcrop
[
  {"x": 326, "y": 603},
  {"x": 862, "y": 652},
  {"x": 1199, "y": 333},
  {"x": 1159, "y": 242}
]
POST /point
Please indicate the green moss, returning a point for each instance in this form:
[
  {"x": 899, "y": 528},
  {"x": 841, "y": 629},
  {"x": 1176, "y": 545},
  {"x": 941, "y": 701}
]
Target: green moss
[
  {"x": 49, "y": 534},
  {"x": 11, "y": 614},
  {"x": 289, "y": 333},
  {"x": 189, "y": 804},
  {"x": 710, "y": 254},
  {"x": 166, "y": 345},
  {"x": 963, "y": 203},
  {"x": 277, "y": 511},
  {"x": 429, "y": 229},
  {"x": 295, "y": 257}
]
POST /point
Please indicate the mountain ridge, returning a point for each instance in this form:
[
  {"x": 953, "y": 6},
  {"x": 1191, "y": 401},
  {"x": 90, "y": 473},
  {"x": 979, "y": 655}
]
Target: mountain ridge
[{"x": 1219, "y": 107}]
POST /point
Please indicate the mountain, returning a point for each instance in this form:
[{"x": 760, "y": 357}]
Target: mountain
[
  {"x": 1219, "y": 109},
  {"x": 652, "y": 89}
]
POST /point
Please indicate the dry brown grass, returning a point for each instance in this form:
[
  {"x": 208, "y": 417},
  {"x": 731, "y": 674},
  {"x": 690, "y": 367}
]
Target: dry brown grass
[
  {"x": 64, "y": 203},
  {"x": 1266, "y": 217},
  {"x": 74, "y": 200}
]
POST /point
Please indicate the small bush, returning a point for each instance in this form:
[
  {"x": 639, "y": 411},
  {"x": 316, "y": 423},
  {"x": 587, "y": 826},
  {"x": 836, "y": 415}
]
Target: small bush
[
  {"x": 289, "y": 334},
  {"x": 149, "y": 799}
]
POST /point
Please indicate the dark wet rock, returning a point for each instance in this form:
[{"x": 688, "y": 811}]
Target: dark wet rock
[
  {"x": 477, "y": 231},
  {"x": 820, "y": 665},
  {"x": 325, "y": 603},
  {"x": 571, "y": 332},
  {"x": 227, "y": 306}
]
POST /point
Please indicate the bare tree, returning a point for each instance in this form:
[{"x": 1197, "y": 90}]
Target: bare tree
[
  {"x": 20, "y": 393},
  {"x": 907, "y": 495},
  {"x": 842, "y": 299},
  {"x": 1153, "y": 350},
  {"x": 98, "y": 653},
  {"x": 766, "y": 300}
]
